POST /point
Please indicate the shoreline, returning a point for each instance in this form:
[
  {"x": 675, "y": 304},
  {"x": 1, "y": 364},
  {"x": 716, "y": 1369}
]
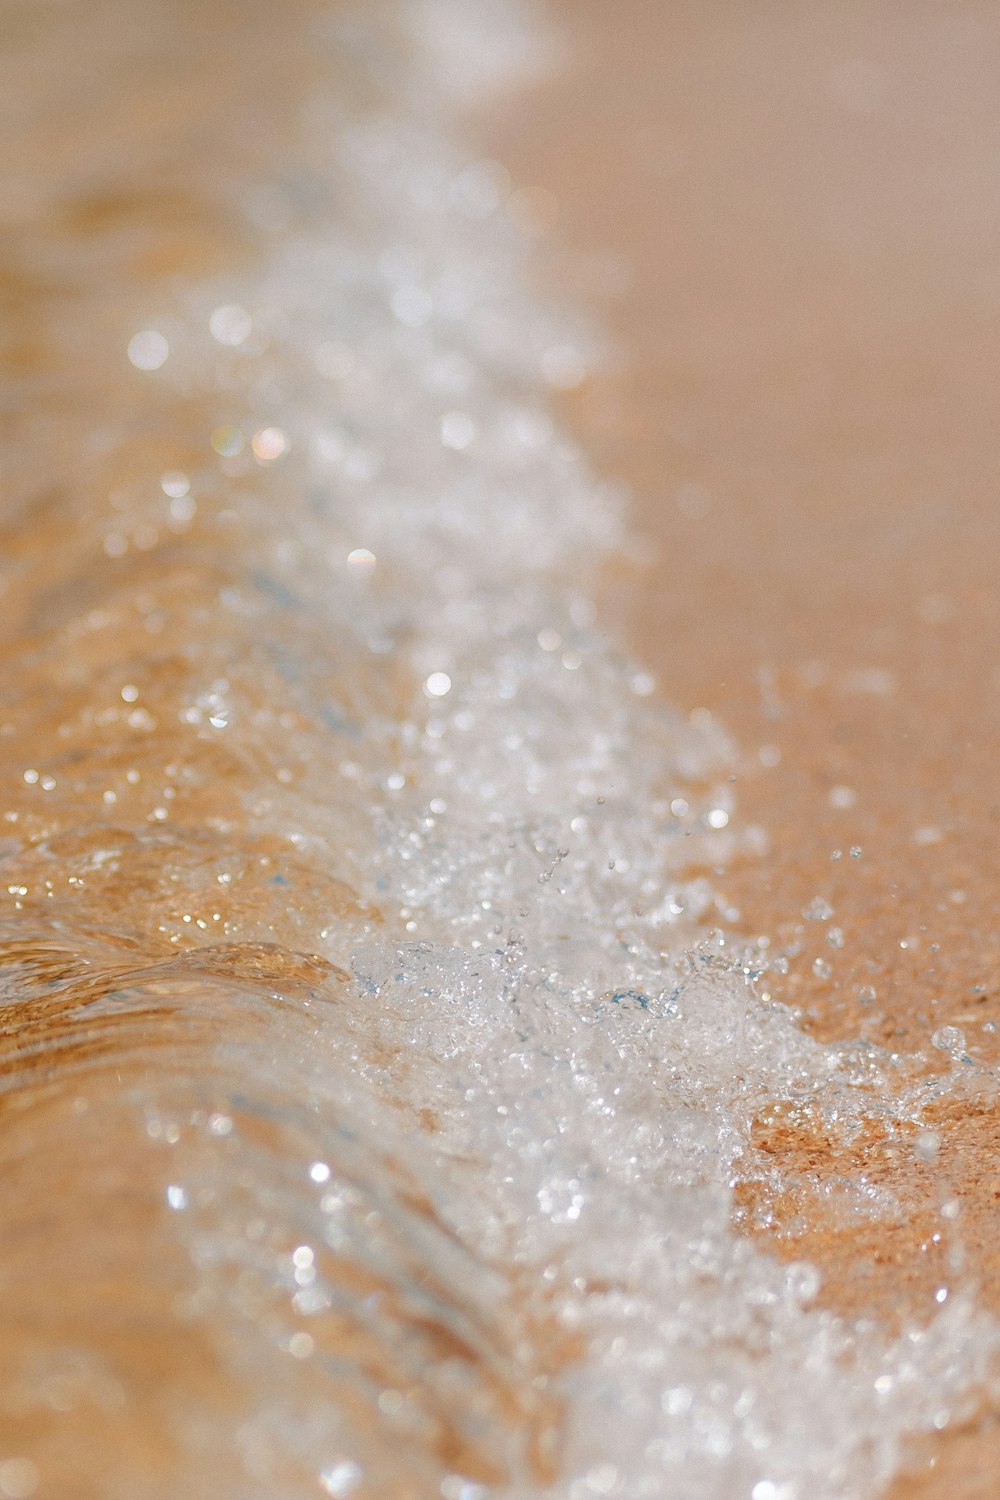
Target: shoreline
[
  {"x": 334, "y": 817},
  {"x": 799, "y": 400}
]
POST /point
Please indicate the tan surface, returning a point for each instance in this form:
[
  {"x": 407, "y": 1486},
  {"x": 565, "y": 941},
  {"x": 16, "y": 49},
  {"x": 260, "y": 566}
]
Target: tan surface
[{"x": 788, "y": 218}]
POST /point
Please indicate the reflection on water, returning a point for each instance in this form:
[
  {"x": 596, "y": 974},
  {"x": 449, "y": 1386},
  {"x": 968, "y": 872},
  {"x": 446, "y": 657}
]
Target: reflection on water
[{"x": 375, "y": 1078}]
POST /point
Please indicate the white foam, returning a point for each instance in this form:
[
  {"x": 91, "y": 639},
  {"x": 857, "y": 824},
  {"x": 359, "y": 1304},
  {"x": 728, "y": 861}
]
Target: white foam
[{"x": 551, "y": 985}]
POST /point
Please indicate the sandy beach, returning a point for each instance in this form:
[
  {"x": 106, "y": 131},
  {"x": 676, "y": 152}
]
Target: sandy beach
[
  {"x": 788, "y": 220},
  {"x": 256, "y": 595}
]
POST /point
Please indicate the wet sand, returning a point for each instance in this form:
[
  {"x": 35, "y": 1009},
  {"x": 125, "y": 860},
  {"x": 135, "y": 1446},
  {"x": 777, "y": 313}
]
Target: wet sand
[
  {"x": 788, "y": 221},
  {"x": 789, "y": 231}
]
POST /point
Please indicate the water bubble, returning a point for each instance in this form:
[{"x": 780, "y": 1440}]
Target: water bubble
[
  {"x": 230, "y": 325},
  {"x": 341, "y": 1479},
  {"x": 950, "y": 1039},
  {"x": 842, "y": 797},
  {"x": 818, "y": 910},
  {"x": 927, "y": 1145},
  {"x": 269, "y": 444},
  {"x": 182, "y": 509},
  {"x": 228, "y": 441},
  {"x": 175, "y": 484},
  {"x": 148, "y": 350},
  {"x": 802, "y": 1281}
]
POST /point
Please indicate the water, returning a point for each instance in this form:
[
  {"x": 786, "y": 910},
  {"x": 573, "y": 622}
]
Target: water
[{"x": 378, "y": 1072}]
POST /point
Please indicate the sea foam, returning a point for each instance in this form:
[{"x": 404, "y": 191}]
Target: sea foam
[{"x": 453, "y": 1201}]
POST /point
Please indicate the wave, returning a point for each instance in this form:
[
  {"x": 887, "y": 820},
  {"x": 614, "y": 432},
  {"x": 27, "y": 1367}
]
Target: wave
[{"x": 377, "y": 1070}]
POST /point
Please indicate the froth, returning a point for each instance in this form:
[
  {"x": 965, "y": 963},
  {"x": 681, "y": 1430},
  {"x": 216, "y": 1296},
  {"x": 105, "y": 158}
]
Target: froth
[{"x": 451, "y": 1187}]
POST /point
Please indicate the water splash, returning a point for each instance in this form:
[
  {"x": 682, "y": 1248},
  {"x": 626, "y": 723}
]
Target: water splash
[{"x": 377, "y": 1078}]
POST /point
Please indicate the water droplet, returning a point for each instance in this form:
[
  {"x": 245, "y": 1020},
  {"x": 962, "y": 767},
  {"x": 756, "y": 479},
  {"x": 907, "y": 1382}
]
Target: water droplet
[
  {"x": 148, "y": 350},
  {"x": 175, "y": 484},
  {"x": 228, "y": 441},
  {"x": 230, "y": 324},
  {"x": 927, "y": 1145},
  {"x": 950, "y": 1039},
  {"x": 842, "y": 796},
  {"x": 269, "y": 444}
]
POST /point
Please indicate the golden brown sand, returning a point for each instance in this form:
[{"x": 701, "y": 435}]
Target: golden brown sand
[{"x": 788, "y": 219}]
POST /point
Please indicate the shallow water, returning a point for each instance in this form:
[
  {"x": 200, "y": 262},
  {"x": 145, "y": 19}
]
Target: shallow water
[{"x": 378, "y": 1062}]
